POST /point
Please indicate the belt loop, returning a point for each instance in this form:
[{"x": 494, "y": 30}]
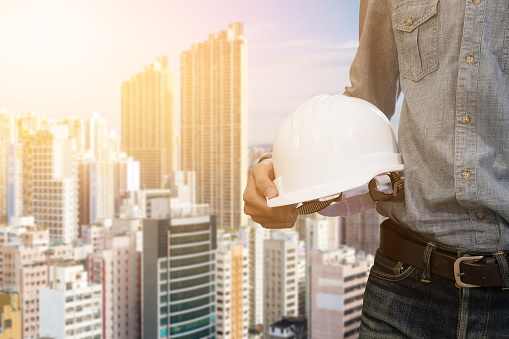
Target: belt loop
[
  {"x": 503, "y": 266},
  {"x": 426, "y": 274}
]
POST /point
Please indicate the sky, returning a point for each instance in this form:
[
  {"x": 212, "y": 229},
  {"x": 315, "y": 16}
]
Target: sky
[{"x": 61, "y": 58}]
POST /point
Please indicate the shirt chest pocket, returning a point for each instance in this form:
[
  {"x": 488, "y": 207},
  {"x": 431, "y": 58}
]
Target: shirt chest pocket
[{"x": 415, "y": 25}]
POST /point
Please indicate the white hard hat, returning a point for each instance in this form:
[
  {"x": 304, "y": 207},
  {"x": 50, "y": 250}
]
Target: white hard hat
[{"x": 331, "y": 145}]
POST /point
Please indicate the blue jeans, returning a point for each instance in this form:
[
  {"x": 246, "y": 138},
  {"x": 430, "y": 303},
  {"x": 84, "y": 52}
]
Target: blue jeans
[{"x": 397, "y": 304}]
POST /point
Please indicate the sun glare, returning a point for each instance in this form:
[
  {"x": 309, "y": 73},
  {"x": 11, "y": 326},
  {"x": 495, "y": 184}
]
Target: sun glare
[{"x": 46, "y": 31}]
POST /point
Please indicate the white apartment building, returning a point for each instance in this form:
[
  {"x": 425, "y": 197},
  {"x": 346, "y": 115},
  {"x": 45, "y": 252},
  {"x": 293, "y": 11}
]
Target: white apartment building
[
  {"x": 257, "y": 237},
  {"x": 280, "y": 277},
  {"x": 96, "y": 191},
  {"x": 93, "y": 234},
  {"x": 127, "y": 177},
  {"x": 14, "y": 180},
  {"x": 320, "y": 232},
  {"x": 70, "y": 307},
  {"x": 7, "y": 136},
  {"x": 97, "y": 136},
  {"x": 232, "y": 295},
  {"x": 55, "y": 184},
  {"x": 116, "y": 267}
]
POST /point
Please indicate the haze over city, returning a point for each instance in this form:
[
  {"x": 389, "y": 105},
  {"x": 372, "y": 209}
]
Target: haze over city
[
  {"x": 63, "y": 58},
  {"x": 142, "y": 233}
]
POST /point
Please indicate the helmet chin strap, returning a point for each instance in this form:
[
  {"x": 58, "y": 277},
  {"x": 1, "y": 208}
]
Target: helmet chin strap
[
  {"x": 344, "y": 206},
  {"x": 397, "y": 184},
  {"x": 316, "y": 205}
]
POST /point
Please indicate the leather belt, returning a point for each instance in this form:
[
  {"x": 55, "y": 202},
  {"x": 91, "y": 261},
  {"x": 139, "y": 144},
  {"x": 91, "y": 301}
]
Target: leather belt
[{"x": 464, "y": 270}]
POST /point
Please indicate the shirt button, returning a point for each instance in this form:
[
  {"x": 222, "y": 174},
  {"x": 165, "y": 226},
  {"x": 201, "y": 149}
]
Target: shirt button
[
  {"x": 466, "y": 119},
  {"x": 480, "y": 215},
  {"x": 469, "y": 59},
  {"x": 465, "y": 174},
  {"x": 409, "y": 21},
  {"x": 476, "y": 2}
]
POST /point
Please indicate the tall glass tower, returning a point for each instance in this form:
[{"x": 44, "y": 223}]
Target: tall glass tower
[{"x": 178, "y": 269}]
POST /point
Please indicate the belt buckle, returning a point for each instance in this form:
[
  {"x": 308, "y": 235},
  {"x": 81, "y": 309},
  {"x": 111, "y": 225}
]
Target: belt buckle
[{"x": 458, "y": 274}]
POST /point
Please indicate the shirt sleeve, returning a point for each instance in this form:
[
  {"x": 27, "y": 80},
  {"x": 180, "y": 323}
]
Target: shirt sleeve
[{"x": 374, "y": 72}]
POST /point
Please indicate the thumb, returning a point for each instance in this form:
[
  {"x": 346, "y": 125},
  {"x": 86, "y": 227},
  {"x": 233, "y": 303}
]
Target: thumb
[
  {"x": 271, "y": 191},
  {"x": 263, "y": 180}
]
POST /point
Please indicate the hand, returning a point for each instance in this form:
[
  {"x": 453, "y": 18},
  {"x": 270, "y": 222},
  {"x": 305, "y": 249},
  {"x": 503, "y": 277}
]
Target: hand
[{"x": 260, "y": 186}]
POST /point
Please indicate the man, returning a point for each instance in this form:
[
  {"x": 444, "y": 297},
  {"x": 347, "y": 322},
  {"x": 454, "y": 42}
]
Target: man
[{"x": 449, "y": 231}]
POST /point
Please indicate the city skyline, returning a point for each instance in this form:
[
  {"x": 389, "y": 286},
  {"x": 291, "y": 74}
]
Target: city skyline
[
  {"x": 65, "y": 59},
  {"x": 93, "y": 250}
]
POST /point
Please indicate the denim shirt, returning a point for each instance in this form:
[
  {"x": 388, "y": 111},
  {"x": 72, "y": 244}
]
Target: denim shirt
[{"x": 450, "y": 58}]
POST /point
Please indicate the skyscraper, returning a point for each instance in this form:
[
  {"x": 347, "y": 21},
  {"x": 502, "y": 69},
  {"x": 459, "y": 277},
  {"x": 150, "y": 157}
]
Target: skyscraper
[
  {"x": 55, "y": 184},
  {"x": 96, "y": 191},
  {"x": 257, "y": 236},
  {"x": 14, "y": 180},
  {"x": 27, "y": 123},
  {"x": 178, "y": 265},
  {"x": 362, "y": 230},
  {"x": 147, "y": 122},
  {"x": 280, "y": 277},
  {"x": 232, "y": 288},
  {"x": 214, "y": 122},
  {"x": 7, "y": 136},
  {"x": 97, "y": 136},
  {"x": 115, "y": 266}
]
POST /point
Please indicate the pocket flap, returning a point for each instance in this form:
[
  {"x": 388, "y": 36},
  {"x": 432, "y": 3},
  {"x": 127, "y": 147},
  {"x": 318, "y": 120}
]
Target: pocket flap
[{"x": 409, "y": 15}]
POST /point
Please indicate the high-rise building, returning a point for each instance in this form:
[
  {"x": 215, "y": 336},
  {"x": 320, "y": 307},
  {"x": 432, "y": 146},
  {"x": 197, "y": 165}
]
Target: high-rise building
[
  {"x": 97, "y": 136},
  {"x": 70, "y": 306},
  {"x": 362, "y": 230},
  {"x": 280, "y": 277},
  {"x": 147, "y": 122},
  {"x": 25, "y": 259},
  {"x": 337, "y": 282},
  {"x": 127, "y": 178},
  {"x": 7, "y": 137},
  {"x": 257, "y": 237},
  {"x": 214, "y": 122},
  {"x": 10, "y": 315},
  {"x": 178, "y": 270},
  {"x": 14, "y": 180},
  {"x": 93, "y": 235},
  {"x": 96, "y": 191},
  {"x": 28, "y": 123},
  {"x": 77, "y": 131},
  {"x": 115, "y": 267},
  {"x": 320, "y": 232},
  {"x": 55, "y": 183},
  {"x": 232, "y": 288}
]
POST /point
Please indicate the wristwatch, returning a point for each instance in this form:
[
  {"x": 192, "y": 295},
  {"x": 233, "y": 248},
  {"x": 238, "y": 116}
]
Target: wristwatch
[{"x": 265, "y": 156}]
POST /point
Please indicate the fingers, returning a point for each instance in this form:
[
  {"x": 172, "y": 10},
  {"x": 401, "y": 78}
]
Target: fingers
[
  {"x": 278, "y": 217},
  {"x": 260, "y": 186},
  {"x": 263, "y": 175}
]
